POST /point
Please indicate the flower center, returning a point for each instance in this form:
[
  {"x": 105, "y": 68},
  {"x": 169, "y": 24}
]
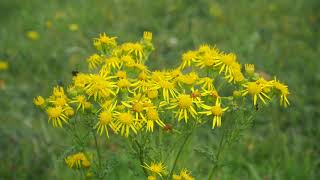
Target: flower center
[
  {"x": 166, "y": 85},
  {"x": 185, "y": 101},
  {"x": 126, "y": 118},
  {"x": 54, "y": 112},
  {"x": 152, "y": 114},
  {"x": 216, "y": 110},
  {"x": 123, "y": 83},
  {"x": 121, "y": 74},
  {"x": 254, "y": 88},
  {"x": 156, "y": 168},
  {"x": 105, "y": 117},
  {"x": 228, "y": 59},
  {"x": 137, "y": 107}
]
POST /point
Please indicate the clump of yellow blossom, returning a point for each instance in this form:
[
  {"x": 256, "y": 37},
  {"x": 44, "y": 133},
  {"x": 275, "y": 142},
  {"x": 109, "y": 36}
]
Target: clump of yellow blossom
[{"x": 120, "y": 94}]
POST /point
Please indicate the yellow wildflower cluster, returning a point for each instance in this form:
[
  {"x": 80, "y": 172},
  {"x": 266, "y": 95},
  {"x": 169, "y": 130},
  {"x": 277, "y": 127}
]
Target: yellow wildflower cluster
[{"x": 126, "y": 97}]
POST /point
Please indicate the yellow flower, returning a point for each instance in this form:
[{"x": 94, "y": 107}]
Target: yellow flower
[
  {"x": 153, "y": 116},
  {"x": 105, "y": 120},
  {"x": 121, "y": 74},
  {"x": 48, "y": 24},
  {"x": 136, "y": 105},
  {"x": 112, "y": 63},
  {"x": 188, "y": 79},
  {"x": 80, "y": 80},
  {"x": 93, "y": 61},
  {"x": 33, "y": 35},
  {"x": 176, "y": 177},
  {"x": 256, "y": 90},
  {"x": 39, "y": 101},
  {"x": 109, "y": 42},
  {"x": 73, "y": 27},
  {"x": 184, "y": 105},
  {"x": 134, "y": 49},
  {"x": 69, "y": 111},
  {"x": 168, "y": 89},
  {"x": 152, "y": 94},
  {"x": 216, "y": 111},
  {"x": 186, "y": 175},
  {"x": 152, "y": 177},
  {"x": 3, "y": 65},
  {"x": 100, "y": 86},
  {"x": 82, "y": 102},
  {"x": 77, "y": 161},
  {"x": 124, "y": 123},
  {"x": 123, "y": 84},
  {"x": 147, "y": 36},
  {"x": 156, "y": 168},
  {"x": 188, "y": 58},
  {"x": 225, "y": 63},
  {"x": 207, "y": 57},
  {"x": 284, "y": 92},
  {"x": 249, "y": 68},
  {"x": 57, "y": 116},
  {"x": 235, "y": 76},
  {"x": 207, "y": 83}
]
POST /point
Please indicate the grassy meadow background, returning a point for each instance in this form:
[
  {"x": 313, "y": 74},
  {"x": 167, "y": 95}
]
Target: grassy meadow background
[{"x": 281, "y": 37}]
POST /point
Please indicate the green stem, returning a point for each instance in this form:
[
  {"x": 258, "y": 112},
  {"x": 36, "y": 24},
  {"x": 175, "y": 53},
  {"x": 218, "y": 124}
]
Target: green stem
[
  {"x": 179, "y": 153},
  {"x": 220, "y": 148},
  {"x": 98, "y": 149},
  {"x": 141, "y": 157}
]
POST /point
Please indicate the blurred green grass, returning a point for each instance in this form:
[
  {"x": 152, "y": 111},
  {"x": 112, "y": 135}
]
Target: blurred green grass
[{"x": 280, "y": 37}]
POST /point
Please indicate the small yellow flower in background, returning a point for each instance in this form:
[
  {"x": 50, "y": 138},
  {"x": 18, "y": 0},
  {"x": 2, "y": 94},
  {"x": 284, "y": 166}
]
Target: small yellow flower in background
[
  {"x": 73, "y": 27},
  {"x": 39, "y": 101},
  {"x": 77, "y": 161},
  {"x": 249, "y": 68},
  {"x": 33, "y": 35},
  {"x": 3, "y": 65},
  {"x": 216, "y": 111},
  {"x": 147, "y": 36},
  {"x": 156, "y": 168},
  {"x": 48, "y": 24}
]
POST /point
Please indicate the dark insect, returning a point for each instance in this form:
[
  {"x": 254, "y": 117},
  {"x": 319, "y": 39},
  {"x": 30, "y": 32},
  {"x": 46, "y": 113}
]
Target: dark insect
[
  {"x": 75, "y": 72},
  {"x": 256, "y": 107}
]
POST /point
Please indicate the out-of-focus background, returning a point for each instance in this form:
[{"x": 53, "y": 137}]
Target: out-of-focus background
[{"x": 281, "y": 37}]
